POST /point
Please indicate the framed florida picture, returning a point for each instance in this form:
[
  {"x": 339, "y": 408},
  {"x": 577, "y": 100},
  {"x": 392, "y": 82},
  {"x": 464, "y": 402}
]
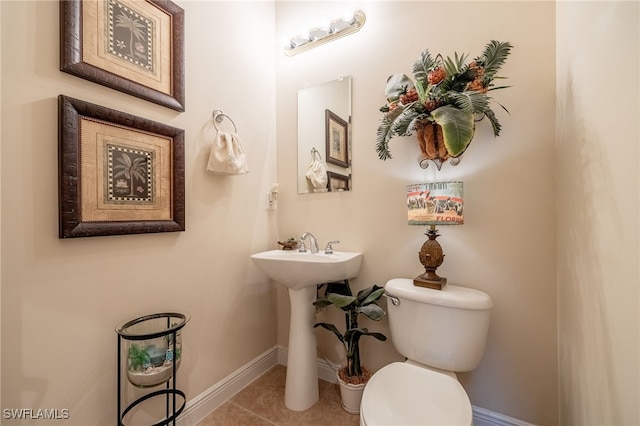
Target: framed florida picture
[
  {"x": 337, "y": 139},
  {"x": 118, "y": 173},
  {"x": 134, "y": 46}
]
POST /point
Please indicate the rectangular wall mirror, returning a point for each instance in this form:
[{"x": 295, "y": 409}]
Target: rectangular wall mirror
[{"x": 324, "y": 137}]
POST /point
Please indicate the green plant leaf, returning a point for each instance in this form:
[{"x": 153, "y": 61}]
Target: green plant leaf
[
  {"x": 138, "y": 357},
  {"x": 321, "y": 303},
  {"x": 374, "y": 293},
  {"x": 372, "y": 311},
  {"x": 495, "y": 124},
  {"x": 401, "y": 124},
  {"x": 353, "y": 307},
  {"x": 378, "y": 336},
  {"x": 340, "y": 301},
  {"x": 396, "y": 85},
  {"x": 383, "y": 137},
  {"x": 422, "y": 91},
  {"x": 470, "y": 101},
  {"x": 354, "y": 335},
  {"x": 332, "y": 328},
  {"x": 493, "y": 57},
  {"x": 422, "y": 66},
  {"x": 457, "y": 128},
  {"x": 388, "y": 128}
]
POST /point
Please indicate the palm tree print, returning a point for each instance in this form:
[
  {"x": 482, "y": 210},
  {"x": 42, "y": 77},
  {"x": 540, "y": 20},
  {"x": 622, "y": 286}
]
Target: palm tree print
[
  {"x": 133, "y": 170},
  {"x": 136, "y": 30}
]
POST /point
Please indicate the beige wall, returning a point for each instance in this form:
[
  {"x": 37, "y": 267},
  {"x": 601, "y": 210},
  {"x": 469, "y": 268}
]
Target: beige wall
[
  {"x": 59, "y": 310},
  {"x": 61, "y": 299},
  {"x": 597, "y": 214},
  {"x": 1, "y": 60},
  {"x": 507, "y": 245}
]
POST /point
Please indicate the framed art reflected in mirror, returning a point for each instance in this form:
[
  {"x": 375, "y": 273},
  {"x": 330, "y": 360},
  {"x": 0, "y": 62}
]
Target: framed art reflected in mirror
[
  {"x": 336, "y": 133},
  {"x": 337, "y": 182}
]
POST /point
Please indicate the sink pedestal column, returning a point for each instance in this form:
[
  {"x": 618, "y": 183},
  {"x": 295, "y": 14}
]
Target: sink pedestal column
[{"x": 301, "y": 390}]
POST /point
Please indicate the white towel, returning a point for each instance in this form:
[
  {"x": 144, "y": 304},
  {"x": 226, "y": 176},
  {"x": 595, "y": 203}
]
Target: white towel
[
  {"x": 227, "y": 155},
  {"x": 317, "y": 174}
]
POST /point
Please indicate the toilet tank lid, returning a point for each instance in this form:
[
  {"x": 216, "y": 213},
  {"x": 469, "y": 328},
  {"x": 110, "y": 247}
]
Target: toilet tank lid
[{"x": 451, "y": 295}]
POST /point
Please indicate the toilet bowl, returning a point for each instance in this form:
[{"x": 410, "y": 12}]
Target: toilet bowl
[
  {"x": 405, "y": 394},
  {"x": 440, "y": 332}
]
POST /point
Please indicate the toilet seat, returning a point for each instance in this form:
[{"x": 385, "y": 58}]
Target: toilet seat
[{"x": 405, "y": 394}]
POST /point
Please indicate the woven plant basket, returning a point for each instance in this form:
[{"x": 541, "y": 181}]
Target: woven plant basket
[{"x": 431, "y": 141}]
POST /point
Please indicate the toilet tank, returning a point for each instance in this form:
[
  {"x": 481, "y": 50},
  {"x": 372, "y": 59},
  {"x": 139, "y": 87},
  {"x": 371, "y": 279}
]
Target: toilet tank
[{"x": 446, "y": 329}]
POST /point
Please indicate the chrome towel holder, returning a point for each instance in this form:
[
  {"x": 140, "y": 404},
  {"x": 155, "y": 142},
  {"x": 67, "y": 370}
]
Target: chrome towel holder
[
  {"x": 219, "y": 116},
  {"x": 315, "y": 154}
]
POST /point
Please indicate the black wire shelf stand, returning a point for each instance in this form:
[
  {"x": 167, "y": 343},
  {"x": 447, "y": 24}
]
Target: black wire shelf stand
[{"x": 161, "y": 364}]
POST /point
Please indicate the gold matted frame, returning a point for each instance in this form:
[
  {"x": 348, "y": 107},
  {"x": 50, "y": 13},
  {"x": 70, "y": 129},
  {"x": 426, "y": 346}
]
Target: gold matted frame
[
  {"x": 337, "y": 182},
  {"x": 337, "y": 139},
  {"x": 136, "y": 47},
  {"x": 118, "y": 173}
]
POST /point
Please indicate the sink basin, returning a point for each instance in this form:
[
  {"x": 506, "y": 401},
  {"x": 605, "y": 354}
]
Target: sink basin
[
  {"x": 297, "y": 270},
  {"x": 300, "y": 273}
]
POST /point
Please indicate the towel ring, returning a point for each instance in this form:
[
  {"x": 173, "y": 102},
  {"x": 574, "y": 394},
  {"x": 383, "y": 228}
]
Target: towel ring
[
  {"x": 219, "y": 116},
  {"x": 315, "y": 154}
]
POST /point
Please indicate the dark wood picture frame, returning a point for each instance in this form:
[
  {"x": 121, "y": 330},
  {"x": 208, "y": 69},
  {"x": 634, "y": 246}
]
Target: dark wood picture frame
[
  {"x": 337, "y": 139},
  {"x": 154, "y": 71},
  {"x": 101, "y": 151},
  {"x": 337, "y": 182}
]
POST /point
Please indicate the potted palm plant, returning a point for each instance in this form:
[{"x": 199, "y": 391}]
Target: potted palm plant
[
  {"x": 442, "y": 103},
  {"x": 352, "y": 377}
]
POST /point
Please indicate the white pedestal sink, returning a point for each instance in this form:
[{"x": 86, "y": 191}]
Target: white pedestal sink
[{"x": 301, "y": 273}]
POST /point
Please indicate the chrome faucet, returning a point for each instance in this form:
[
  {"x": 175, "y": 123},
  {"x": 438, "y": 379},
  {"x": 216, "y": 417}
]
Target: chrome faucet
[
  {"x": 312, "y": 241},
  {"x": 329, "y": 248}
]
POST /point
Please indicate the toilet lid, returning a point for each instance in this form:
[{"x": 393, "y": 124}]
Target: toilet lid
[{"x": 405, "y": 394}]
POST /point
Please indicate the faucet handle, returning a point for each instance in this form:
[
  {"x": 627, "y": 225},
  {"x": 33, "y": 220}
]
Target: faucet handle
[
  {"x": 302, "y": 248},
  {"x": 329, "y": 249}
]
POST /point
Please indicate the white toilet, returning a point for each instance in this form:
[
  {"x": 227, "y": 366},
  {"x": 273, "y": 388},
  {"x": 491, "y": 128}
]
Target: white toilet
[{"x": 440, "y": 332}]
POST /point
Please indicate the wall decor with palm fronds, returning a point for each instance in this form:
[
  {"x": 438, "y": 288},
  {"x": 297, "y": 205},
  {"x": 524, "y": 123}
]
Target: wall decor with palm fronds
[{"x": 442, "y": 103}]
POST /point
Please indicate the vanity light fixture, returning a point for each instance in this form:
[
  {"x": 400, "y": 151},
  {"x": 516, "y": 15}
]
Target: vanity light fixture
[
  {"x": 326, "y": 32},
  {"x": 435, "y": 203}
]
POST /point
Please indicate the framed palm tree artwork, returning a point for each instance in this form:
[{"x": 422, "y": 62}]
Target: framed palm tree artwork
[
  {"x": 133, "y": 46},
  {"x": 118, "y": 173}
]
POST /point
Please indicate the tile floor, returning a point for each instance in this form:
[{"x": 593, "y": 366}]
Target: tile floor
[{"x": 262, "y": 404}]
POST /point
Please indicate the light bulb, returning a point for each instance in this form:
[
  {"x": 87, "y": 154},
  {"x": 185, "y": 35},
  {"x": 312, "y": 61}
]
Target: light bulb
[{"x": 347, "y": 16}]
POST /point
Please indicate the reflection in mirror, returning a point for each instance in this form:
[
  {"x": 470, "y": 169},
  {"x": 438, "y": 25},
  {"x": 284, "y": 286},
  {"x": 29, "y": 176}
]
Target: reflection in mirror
[{"x": 324, "y": 137}]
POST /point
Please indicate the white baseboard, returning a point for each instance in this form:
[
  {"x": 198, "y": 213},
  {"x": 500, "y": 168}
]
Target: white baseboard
[
  {"x": 204, "y": 404},
  {"x": 484, "y": 417},
  {"x": 326, "y": 371}
]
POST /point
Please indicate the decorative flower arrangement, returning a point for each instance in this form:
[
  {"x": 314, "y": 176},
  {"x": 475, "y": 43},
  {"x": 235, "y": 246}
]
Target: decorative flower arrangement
[{"x": 442, "y": 103}]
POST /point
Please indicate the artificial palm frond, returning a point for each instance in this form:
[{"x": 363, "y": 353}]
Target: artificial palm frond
[
  {"x": 470, "y": 101},
  {"x": 492, "y": 87},
  {"x": 454, "y": 66},
  {"x": 402, "y": 124},
  {"x": 459, "y": 81},
  {"x": 494, "y": 121},
  {"x": 383, "y": 137},
  {"x": 494, "y": 55},
  {"x": 422, "y": 66}
]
